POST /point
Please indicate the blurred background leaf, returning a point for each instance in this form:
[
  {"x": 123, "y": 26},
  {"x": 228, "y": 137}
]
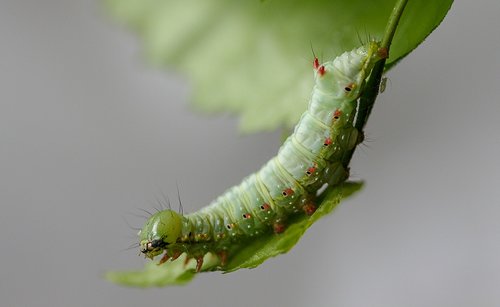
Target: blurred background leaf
[{"x": 254, "y": 57}]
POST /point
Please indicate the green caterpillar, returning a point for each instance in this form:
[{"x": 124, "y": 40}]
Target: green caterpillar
[{"x": 286, "y": 185}]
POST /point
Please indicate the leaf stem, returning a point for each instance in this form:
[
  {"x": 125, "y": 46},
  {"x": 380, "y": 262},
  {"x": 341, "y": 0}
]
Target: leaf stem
[
  {"x": 367, "y": 99},
  {"x": 392, "y": 24}
]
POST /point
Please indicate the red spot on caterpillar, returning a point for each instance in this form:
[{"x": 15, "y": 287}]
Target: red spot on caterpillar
[
  {"x": 383, "y": 53},
  {"x": 265, "y": 207},
  {"x": 328, "y": 141},
  {"x": 337, "y": 114},
  {"x": 315, "y": 63},
  {"x": 350, "y": 87},
  {"x": 309, "y": 208},
  {"x": 310, "y": 171},
  {"x": 247, "y": 215},
  {"x": 278, "y": 227},
  {"x": 321, "y": 70},
  {"x": 287, "y": 192}
]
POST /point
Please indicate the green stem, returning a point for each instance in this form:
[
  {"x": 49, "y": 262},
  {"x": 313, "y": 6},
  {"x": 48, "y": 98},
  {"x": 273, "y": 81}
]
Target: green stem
[
  {"x": 367, "y": 99},
  {"x": 396, "y": 14}
]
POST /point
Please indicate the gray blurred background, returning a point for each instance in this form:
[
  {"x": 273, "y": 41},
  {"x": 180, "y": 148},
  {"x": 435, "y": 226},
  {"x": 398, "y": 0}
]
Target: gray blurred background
[{"x": 89, "y": 133}]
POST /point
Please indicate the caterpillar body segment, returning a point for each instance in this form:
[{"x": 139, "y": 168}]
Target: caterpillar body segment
[{"x": 284, "y": 186}]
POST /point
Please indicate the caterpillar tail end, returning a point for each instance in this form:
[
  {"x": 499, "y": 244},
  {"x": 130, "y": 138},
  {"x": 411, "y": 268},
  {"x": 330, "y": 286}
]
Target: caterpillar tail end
[{"x": 375, "y": 54}]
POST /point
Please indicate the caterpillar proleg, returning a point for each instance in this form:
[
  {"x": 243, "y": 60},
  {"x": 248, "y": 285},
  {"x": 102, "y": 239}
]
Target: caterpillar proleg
[{"x": 285, "y": 185}]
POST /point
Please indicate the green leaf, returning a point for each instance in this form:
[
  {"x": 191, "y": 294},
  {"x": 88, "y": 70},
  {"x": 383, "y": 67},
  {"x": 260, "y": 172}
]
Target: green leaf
[
  {"x": 170, "y": 273},
  {"x": 253, "y": 57},
  {"x": 249, "y": 255}
]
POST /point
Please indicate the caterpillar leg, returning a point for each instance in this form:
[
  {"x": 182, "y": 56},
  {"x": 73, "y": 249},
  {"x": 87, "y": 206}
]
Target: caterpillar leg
[
  {"x": 308, "y": 204},
  {"x": 222, "y": 257},
  {"x": 279, "y": 227},
  {"x": 170, "y": 256},
  {"x": 309, "y": 208},
  {"x": 199, "y": 263},
  {"x": 164, "y": 258},
  {"x": 176, "y": 255}
]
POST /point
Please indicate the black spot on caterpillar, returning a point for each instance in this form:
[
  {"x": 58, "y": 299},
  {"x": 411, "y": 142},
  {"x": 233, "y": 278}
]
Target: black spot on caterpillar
[{"x": 284, "y": 186}]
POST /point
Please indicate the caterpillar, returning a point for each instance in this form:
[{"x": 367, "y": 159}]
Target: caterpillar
[{"x": 287, "y": 184}]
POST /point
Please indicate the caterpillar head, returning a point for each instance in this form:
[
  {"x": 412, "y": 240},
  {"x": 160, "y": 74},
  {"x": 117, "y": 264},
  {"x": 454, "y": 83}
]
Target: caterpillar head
[
  {"x": 344, "y": 76},
  {"x": 161, "y": 229}
]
